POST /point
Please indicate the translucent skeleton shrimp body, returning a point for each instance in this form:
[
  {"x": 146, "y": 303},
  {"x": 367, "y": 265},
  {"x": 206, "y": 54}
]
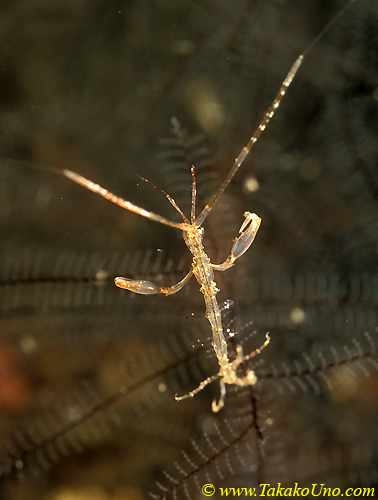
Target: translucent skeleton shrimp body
[{"x": 202, "y": 269}]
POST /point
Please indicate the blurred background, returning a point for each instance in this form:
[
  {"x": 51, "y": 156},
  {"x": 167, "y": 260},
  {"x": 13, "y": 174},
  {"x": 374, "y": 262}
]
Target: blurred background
[{"x": 88, "y": 373}]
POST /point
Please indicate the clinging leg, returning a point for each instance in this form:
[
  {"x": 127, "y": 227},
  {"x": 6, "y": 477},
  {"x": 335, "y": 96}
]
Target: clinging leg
[
  {"x": 240, "y": 357},
  {"x": 216, "y": 406},
  {"x": 195, "y": 391}
]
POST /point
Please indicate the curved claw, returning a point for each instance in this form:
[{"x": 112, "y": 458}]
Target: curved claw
[
  {"x": 248, "y": 232},
  {"x": 137, "y": 286},
  {"x": 241, "y": 244}
]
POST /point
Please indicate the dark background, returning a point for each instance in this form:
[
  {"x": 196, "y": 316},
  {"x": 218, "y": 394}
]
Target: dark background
[{"x": 88, "y": 372}]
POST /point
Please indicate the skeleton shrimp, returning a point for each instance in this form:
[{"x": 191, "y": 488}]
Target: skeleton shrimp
[{"x": 202, "y": 268}]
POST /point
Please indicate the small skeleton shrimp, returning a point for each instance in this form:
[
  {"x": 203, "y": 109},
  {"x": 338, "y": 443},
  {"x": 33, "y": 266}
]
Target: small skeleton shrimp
[{"x": 202, "y": 268}]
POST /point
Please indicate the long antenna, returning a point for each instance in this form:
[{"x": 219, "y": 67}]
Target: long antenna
[{"x": 269, "y": 114}]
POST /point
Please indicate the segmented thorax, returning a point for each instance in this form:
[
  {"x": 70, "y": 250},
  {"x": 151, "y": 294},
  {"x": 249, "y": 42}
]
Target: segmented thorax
[
  {"x": 203, "y": 272},
  {"x": 202, "y": 269}
]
